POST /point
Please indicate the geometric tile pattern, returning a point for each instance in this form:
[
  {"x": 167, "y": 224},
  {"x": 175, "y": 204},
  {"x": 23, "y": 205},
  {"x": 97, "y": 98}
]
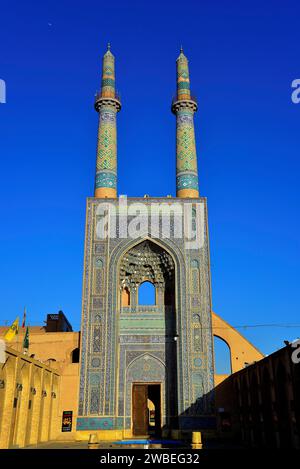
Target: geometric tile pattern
[
  {"x": 108, "y": 75},
  {"x": 106, "y": 171},
  {"x": 106, "y": 179},
  {"x": 183, "y": 79},
  {"x": 97, "y": 423},
  {"x": 112, "y": 356},
  {"x": 187, "y": 181},
  {"x": 185, "y": 141},
  {"x": 186, "y": 157},
  {"x": 106, "y": 154}
]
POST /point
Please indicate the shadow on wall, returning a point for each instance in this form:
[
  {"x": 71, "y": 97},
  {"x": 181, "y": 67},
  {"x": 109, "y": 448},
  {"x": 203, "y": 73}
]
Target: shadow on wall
[{"x": 259, "y": 406}]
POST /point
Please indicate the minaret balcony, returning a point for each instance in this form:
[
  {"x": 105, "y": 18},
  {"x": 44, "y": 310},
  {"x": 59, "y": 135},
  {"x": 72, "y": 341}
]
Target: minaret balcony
[
  {"x": 179, "y": 103},
  {"x": 101, "y": 100}
]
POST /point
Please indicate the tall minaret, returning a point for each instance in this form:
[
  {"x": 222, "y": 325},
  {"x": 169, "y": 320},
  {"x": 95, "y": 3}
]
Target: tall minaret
[
  {"x": 184, "y": 106},
  {"x": 107, "y": 104}
]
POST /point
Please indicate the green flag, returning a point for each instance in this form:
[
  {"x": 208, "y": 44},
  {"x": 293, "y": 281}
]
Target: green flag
[{"x": 26, "y": 339}]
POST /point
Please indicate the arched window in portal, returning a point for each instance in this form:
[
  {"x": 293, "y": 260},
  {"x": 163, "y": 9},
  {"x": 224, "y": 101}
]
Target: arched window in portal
[
  {"x": 222, "y": 357},
  {"x": 146, "y": 294},
  {"x": 125, "y": 297}
]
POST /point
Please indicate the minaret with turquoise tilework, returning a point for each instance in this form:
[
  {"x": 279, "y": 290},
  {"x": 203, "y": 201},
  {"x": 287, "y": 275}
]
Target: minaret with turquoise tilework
[
  {"x": 184, "y": 106},
  {"x": 107, "y": 103}
]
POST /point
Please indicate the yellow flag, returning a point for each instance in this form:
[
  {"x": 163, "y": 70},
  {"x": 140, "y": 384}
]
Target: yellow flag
[{"x": 12, "y": 331}]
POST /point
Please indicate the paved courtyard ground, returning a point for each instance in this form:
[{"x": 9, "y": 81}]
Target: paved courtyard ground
[
  {"x": 102, "y": 445},
  {"x": 213, "y": 444}
]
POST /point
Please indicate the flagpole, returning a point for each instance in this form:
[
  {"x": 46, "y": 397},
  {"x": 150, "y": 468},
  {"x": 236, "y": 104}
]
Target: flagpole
[
  {"x": 26, "y": 341},
  {"x": 24, "y": 330},
  {"x": 17, "y": 344}
]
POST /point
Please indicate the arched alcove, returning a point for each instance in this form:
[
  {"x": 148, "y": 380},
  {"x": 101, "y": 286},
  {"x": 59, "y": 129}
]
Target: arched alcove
[
  {"x": 147, "y": 275},
  {"x": 148, "y": 374},
  {"x": 3, "y": 384},
  {"x": 75, "y": 355},
  {"x": 34, "y": 418},
  {"x": 283, "y": 403},
  {"x": 6, "y": 401},
  {"x": 146, "y": 294},
  {"x": 125, "y": 297},
  {"x": 23, "y": 385},
  {"x": 46, "y": 403},
  {"x": 267, "y": 410},
  {"x": 222, "y": 357},
  {"x": 255, "y": 411},
  {"x": 54, "y": 425},
  {"x": 148, "y": 271}
]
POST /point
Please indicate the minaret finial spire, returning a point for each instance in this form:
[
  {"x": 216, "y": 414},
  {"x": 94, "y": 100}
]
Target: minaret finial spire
[
  {"x": 107, "y": 104},
  {"x": 184, "y": 107}
]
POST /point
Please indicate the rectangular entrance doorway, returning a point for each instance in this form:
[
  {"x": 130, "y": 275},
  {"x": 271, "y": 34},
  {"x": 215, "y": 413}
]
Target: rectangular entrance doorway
[{"x": 146, "y": 413}]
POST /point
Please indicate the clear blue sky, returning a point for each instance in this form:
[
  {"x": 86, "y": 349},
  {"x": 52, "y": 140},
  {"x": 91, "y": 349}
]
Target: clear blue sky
[{"x": 243, "y": 58}]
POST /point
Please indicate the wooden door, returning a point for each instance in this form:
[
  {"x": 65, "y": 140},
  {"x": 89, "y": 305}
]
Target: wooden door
[{"x": 139, "y": 409}]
